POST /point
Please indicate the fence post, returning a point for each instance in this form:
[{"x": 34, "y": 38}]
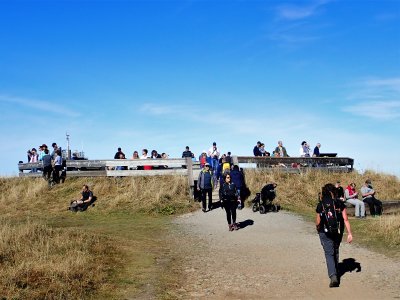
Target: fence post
[{"x": 189, "y": 167}]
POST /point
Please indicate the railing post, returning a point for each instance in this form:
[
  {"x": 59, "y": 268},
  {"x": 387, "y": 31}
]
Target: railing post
[{"x": 189, "y": 167}]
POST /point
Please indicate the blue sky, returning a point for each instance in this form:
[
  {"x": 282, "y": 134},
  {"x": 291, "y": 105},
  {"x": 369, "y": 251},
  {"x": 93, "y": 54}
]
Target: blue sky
[{"x": 166, "y": 74}]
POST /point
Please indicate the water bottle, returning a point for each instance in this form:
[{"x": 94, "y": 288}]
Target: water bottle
[{"x": 240, "y": 205}]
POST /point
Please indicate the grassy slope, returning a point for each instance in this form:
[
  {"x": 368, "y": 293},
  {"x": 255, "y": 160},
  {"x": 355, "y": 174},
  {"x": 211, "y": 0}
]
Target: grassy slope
[
  {"x": 120, "y": 242},
  {"x": 114, "y": 250}
]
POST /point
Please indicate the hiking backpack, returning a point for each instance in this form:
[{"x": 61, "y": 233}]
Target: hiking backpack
[{"x": 331, "y": 220}]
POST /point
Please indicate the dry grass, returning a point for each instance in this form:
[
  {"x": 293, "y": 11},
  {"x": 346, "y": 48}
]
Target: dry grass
[
  {"x": 63, "y": 255},
  {"x": 38, "y": 262},
  {"x": 150, "y": 195},
  {"x": 388, "y": 228},
  {"x": 300, "y": 191}
]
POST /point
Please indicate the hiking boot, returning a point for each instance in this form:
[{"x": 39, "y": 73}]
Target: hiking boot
[{"x": 334, "y": 281}]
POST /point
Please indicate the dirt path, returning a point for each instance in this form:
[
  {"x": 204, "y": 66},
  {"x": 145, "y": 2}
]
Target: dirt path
[{"x": 278, "y": 256}]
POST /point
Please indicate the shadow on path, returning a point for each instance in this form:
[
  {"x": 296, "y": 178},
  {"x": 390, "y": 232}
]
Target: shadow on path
[
  {"x": 245, "y": 223},
  {"x": 348, "y": 265}
]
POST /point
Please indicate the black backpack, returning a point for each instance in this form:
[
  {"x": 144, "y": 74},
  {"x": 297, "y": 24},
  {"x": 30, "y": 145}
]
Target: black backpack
[{"x": 331, "y": 223}]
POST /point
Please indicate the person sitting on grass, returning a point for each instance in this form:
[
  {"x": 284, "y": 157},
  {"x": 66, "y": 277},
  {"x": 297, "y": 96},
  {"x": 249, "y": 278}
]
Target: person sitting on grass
[{"x": 83, "y": 203}]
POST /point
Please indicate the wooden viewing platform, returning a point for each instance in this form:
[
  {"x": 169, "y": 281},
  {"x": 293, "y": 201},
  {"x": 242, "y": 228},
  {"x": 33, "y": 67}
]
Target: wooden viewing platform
[
  {"x": 175, "y": 166},
  {"x": 186, "y": 167}
]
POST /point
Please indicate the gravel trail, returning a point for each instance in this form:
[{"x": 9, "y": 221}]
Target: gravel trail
[{"x": 276, "y": 255}]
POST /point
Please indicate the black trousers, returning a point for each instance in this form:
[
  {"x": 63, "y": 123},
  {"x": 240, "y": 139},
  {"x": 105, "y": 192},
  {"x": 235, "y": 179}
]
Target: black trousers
[
  {"x": 205, "y": 192},
  {"x": 375, "y": 206},
  {"x": 230, "y": 209},
  {"x": 56, "y": 173},
  {"x": 47, "y": 172}
]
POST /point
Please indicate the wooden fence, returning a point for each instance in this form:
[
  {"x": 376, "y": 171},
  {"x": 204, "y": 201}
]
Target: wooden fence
[
  {"x": 181, "y": 166},
  {"x": 186, "y": 167}
]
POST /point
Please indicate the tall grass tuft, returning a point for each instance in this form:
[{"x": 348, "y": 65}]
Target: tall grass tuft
[
  {"x": 150, "y": 195},
  {"x": 38, "y": 262}
]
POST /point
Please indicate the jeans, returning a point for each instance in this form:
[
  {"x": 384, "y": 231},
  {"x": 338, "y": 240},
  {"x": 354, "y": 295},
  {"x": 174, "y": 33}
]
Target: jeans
[
  {"x": 214, "y": 164},
  {"x": 359, "y": 207},
  {"x": 330, "y": 244}
]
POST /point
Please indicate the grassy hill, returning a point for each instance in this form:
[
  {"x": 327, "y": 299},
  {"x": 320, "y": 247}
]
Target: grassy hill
[{"x": 118, "y": 249}]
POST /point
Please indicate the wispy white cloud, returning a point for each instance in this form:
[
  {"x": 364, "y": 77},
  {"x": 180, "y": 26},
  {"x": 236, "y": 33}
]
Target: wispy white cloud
[
  {"x": 55, "y": 107},
  {"x": 376, "y": 98},
  {"x": 162, "y": 109},
  {"x": 379, "y": 110},
  {"x": 293, "y": 25},
  {"x": 297, "y": 12},
  {"x": 391, "y": 84},
  {"x": 238, "y": 121}
]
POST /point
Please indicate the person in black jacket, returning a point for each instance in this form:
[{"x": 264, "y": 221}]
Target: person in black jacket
[
  {"x": 331, "y": 218},
  {"x": 339, "y": 191},
  {"x": 238, "y": 179},
  {"x": 86, "y": 199},
  {"x": 229, "y": 197},
  {"x": 256, "y": 149}
]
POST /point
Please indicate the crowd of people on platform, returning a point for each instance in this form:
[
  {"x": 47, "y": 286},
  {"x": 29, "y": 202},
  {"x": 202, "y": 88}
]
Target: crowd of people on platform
[
  {"x": 53, "y": 163},
  {"x": 145, "y": 155},
  {"x": 280, "y": 150}
]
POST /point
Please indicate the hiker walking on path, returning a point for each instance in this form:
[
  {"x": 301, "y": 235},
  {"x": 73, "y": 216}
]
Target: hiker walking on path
[
  {"x": 205, "y": 186},
  {"x": 229, "y": 197},
  {"x": 330, "y": 221}
]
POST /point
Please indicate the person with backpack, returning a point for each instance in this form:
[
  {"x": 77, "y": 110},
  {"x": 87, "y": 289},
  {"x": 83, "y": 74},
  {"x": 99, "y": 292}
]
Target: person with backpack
[
  {"x": 229, "y": 198},
  {"x": 238, "y": 179},
  {"x": 331, "y": 218}
]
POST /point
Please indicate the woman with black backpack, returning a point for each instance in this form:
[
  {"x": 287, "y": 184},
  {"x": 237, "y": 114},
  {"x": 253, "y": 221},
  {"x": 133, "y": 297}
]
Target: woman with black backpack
[
  {"x": 229, "y": 196},
  {"x": 330, "y": 221}
]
